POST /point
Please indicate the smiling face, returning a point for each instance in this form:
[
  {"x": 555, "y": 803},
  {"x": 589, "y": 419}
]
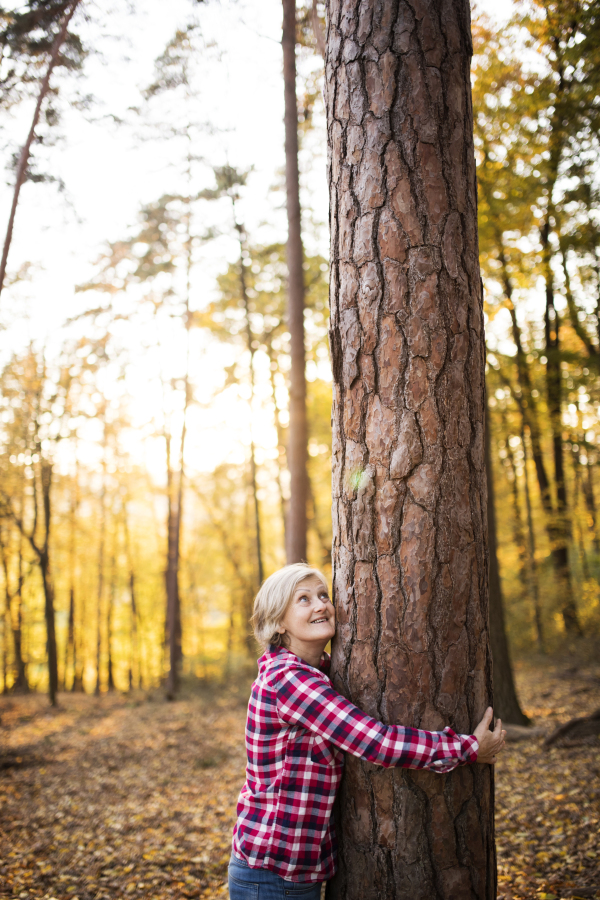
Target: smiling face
[{"x": 309, "y": 620}]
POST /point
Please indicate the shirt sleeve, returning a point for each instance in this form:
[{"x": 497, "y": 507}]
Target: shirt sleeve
[{"x": 306, "y": 699}]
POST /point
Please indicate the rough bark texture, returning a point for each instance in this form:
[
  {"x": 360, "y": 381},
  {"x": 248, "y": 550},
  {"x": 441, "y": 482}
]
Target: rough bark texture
[
  {"x": 409, "y": 480},
  {"x": 297, "y": 450}
]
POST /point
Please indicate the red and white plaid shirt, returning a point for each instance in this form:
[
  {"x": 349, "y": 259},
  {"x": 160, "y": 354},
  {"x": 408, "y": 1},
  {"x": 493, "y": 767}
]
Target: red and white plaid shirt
[{"x": 297, "y": 728}]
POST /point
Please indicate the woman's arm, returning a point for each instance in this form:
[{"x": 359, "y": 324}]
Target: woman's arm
[{"x": 305, "y": 699}]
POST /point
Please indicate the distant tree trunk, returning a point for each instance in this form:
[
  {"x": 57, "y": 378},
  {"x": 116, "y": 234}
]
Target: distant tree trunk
[
  {"x": 70, "y": 649},
  {"x": 48, "y": 584},
  {"x": 297, "y": 449},
  {"x": 100, "y": 584},
  {"x": 23, "y": 161},
  {"x": 562, "y": 525},
  {"x": 13, "y": 617},
  {"x": 535, "y": 590},
  {"x": 109, "y": 619},
  {"x": 528, "y": 408},
  {"x": 281, "y": 465},
  {"x": 5, "y": 631},
  {"x": 590, "y": 501},
  {"x": 251, "y": 350},
  {"x": 70, "y": 653},
  {"x": 134, "y": 644},
  {"x": 506, "y": 703},
  {"x": 409, "y": 476},
  {"x": 174, "y": 632}
]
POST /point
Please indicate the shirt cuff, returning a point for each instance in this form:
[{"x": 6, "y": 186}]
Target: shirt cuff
[{"x": 463, "y": 752}]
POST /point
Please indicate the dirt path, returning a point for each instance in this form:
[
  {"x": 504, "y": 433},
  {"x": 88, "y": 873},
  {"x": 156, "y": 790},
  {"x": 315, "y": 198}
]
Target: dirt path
[{"x": 119, "y": 797}]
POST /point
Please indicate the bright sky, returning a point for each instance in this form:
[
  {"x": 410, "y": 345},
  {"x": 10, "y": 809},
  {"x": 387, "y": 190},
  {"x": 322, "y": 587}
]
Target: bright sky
[{"x": 109, "y": 172}]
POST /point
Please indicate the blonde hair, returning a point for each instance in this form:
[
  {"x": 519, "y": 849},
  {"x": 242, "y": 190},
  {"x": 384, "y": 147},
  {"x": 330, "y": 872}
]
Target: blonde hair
[{"x": 273, "y": 599}]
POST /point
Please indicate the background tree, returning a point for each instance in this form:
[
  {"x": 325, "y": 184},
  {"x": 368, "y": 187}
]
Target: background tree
[
  {"x": 296, "y": 547},
  {"x": 409, "y": 484}
]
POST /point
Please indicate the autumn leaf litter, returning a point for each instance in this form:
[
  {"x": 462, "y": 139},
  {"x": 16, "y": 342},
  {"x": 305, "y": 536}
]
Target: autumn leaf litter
[{"x": 119, "y": 796}]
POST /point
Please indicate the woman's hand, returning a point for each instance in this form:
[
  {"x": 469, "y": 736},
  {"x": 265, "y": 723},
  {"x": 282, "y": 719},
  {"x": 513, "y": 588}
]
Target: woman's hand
[{"x": 490, "y": 742}]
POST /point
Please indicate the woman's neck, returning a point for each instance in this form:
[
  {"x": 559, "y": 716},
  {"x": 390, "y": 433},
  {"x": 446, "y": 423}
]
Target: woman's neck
[{"x": 309, "y": 653}]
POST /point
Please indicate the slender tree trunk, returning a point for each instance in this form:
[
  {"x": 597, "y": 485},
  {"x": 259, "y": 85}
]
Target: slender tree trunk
[
  {"x": 324, "y": 546},
  {"x": 100, "y": 586},
  {"x": 562, "y": 525},
  {"x": 134, "y": 647},
  {"x": 13, "y": 617},
  {"x": 109, "y": 620},
  {"x": 174, "y": 629},
  {"x": 590, "y": 502},
  {"x": 409, "y": 479},
  {"x": 44, "y": 560},
  {"x": 297, "y": 449},
  {"x": 70, "y": 648},
  {"x": 281, "y": 464},
  {"x": 70, "y": 655},
  {"x": 5, "y": 631},
  {"x": 528, "y": 408},
  {"x": 50, "y": 628},
  {"x": 535, "y": 591},
  {"x": 251, "y": 351},
  {"x": 26, "y": 149},
  {"x": 506, "y": 702}
]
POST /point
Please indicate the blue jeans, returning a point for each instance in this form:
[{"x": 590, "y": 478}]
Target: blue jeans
[{"x": 261, "y": 884}]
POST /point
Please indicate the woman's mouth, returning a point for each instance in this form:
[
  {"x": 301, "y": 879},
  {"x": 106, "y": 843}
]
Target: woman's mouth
[{"x": 318, "y": 621}]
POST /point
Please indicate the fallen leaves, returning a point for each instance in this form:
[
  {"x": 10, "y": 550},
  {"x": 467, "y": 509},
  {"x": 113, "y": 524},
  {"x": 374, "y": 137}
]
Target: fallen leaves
[
  {"x": 108, "y": 797},
  {"x": 122, "y": 797},
  {"x": 548, "y": 801}
]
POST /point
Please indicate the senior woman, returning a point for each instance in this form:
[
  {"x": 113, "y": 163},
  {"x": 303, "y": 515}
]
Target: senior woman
[{"x": 297, "y": 730}]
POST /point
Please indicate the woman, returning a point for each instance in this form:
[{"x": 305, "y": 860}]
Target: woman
[{"x": 297, "y": 730}]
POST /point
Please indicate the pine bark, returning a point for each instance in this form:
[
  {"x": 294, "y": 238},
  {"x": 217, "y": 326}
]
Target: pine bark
[
  {"x": 409, "y": 478},
  {"x": 297, "y": 449}
]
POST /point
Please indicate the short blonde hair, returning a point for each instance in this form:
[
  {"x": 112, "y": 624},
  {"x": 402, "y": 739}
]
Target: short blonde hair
[{"x": 274, "y": 598}]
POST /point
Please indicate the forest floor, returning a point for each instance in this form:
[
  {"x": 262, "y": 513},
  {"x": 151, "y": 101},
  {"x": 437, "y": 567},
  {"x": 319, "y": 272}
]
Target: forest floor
[{"x": 127, "y": 796}]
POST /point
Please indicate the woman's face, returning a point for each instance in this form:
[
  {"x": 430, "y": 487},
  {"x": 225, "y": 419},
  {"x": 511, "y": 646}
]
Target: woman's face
[{"x": 309, "y": 620}]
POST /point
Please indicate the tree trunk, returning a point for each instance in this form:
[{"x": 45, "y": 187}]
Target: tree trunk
[
  {"x": 23, "y": 161},
  {"x": 409, "y": 479},
  {"x": 109, "y": 620},
  {"x": 281, "y": 463},
  {"x": 297, "y": 449},
  {"x": 590, "y": 503},
  {"x": 562, "y": 525},
  {"x": 134, "y": 643},
  {"x": 14, "y": 617},
  {"x": 506, "y": 703},
  {"x": 70, "y": 654},
  {"x": 100, "y": 586},
  {"x": 44, "y": 559},
  {"x": 535, "y": 591},
  {"x": 50, "y": 628},
  {"x": 251, "y": 350}
]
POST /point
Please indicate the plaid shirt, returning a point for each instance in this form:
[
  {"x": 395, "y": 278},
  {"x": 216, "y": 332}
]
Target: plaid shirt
[{"x": 297, "y": 728}]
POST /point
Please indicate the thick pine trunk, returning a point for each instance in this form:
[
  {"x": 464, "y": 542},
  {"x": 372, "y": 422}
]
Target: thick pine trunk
[
  {"x": 297, "y": 449},
  {"x": 409, "y": 480}
]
